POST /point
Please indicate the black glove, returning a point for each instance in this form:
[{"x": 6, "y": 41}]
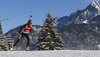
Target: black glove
[{"x": 19, "y": 32}]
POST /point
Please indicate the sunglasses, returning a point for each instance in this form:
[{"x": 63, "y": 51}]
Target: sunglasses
[{"x": 30, "y": 23}]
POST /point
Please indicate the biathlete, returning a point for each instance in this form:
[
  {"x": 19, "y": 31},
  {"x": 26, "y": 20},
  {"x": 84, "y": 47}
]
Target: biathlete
[{"x": 24, "y": 31}]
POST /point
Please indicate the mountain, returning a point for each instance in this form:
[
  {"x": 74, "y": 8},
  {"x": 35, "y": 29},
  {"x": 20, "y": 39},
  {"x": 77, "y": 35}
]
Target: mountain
[
  {"x": 94, "y": 19},
  {"x": 81, "y": 36},
  {"x": 80, "y": 16}
]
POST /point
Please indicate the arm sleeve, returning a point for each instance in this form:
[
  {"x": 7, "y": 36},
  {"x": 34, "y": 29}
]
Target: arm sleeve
[{"x": 22, "y": 28}]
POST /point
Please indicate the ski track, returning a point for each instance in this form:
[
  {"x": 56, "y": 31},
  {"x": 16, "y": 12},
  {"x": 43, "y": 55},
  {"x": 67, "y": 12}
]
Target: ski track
[{"x": 56, "y": 53}]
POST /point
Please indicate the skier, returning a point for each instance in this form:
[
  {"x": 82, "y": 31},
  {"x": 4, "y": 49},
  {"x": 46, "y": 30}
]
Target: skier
[{"x": 24, "y": 31}]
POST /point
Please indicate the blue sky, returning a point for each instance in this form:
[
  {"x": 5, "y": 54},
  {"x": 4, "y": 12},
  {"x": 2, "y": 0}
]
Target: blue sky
[{"x": 18, "y": 11}]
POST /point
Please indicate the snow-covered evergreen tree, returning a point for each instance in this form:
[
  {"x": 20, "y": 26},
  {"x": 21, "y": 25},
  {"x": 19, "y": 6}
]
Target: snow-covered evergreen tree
[
  {"x": 10, "y": 41},
  {"x": 49, "y": 39},
  {"x": 3, "y": 43}
]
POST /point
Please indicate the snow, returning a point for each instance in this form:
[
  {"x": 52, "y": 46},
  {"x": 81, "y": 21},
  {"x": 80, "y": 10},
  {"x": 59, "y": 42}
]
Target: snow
[
  {"x": 69, "y": 22},
  {"x": 48, "y": 33},
  {"x": 97, "y": 2},
  {"x": 56, "y": 53},
  {"x": 99, "y": 46},
  {"x": 86, "y": 21},
  {"x": 95, "y": 5},
  {"x": 34, "y": 28}
]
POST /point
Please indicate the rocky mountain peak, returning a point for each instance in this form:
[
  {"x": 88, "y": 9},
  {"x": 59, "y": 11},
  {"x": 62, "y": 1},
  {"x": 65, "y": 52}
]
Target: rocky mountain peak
[{"x": 94, "y": 6}]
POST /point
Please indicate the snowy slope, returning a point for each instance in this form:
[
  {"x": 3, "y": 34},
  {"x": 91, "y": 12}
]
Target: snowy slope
[{"x": 62, "y": 53}]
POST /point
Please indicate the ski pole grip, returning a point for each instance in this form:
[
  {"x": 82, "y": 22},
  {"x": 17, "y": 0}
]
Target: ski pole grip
[{"x": 30, "y": 15}]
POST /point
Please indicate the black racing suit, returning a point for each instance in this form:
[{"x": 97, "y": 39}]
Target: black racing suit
[{"x": 23, "y": 34}]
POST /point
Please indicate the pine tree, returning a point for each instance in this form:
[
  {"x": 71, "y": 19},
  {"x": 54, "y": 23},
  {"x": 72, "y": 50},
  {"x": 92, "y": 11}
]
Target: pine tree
[
  {"x": 49, "y": 39},
  {"x": 3, "y": 43},
  {"x": 10, "y": 41}
]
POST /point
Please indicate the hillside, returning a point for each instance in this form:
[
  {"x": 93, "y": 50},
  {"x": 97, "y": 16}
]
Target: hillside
[{"x": 80, "y": 36}]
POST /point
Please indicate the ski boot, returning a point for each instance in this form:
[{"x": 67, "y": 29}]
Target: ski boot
[
  {"x": 12, "y": 48},
  {"x": 27, "y": 48}
]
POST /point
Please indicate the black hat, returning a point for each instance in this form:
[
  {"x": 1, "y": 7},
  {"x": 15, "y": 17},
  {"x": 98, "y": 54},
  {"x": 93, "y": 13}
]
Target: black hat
[{"x": 29, "y": 22}]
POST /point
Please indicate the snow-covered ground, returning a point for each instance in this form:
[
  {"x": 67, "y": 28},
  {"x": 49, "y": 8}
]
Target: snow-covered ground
[{"x": 57, "y": 53}]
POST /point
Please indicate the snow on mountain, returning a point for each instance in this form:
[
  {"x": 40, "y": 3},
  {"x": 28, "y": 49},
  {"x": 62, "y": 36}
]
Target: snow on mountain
[
  {"x": 80, "y": 15},
  {"x": 56, "y": 53},
  {"x": 86, "y": 21},
  {"x": 95, "y": 4}
]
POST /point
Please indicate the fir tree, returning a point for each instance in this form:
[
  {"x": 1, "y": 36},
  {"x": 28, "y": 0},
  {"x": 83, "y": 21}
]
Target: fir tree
[
  {"x": 3, "y": 43},
  {"x": 49, "y": 39},
  {"x": 10, "y": 41}
]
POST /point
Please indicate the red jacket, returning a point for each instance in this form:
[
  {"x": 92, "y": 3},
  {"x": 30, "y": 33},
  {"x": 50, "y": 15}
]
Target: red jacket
[{"x": 26, "y": 28}]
